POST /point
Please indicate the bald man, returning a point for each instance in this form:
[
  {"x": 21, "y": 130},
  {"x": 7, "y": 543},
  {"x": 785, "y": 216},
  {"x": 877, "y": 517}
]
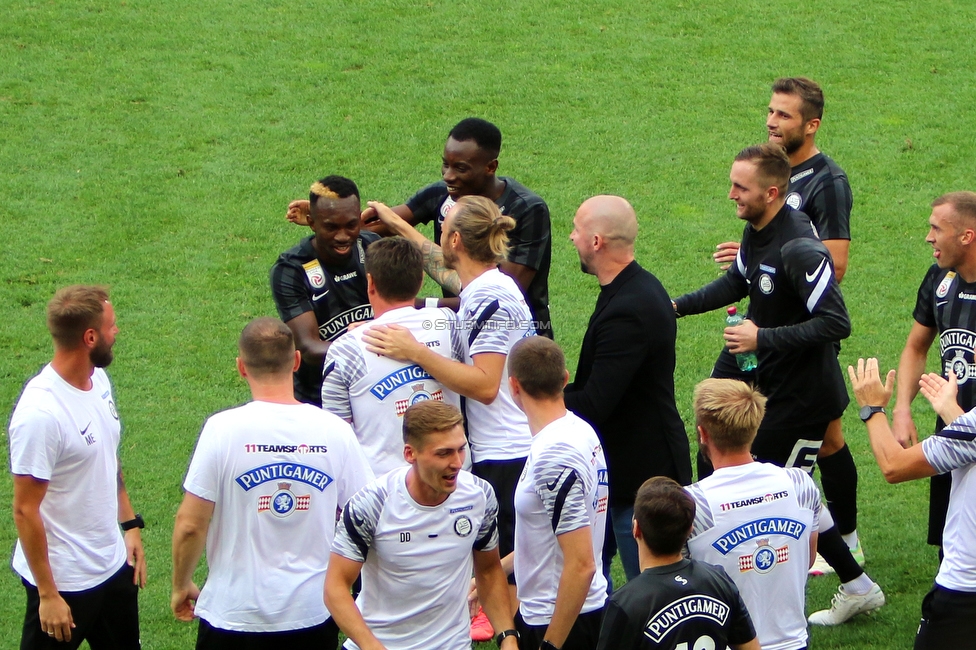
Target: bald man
[{"x": 624, "y": 384}]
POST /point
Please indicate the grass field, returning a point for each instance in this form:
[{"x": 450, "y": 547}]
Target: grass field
[{"x": 153, "y": 146}]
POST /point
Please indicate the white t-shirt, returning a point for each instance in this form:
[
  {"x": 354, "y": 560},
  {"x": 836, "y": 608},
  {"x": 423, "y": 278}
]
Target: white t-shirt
[
  {"x": 373, "y": 391},
  {"x": 954, "y": 450},
  {"x": 70, "y": 438},
  {"x": 276, "y": 473},
  {"x": 493, "y": 317},
  {"x": 755, "y": 521},
  {"x": 417, "y": 560},
  {"x": 562, "y": 488}
]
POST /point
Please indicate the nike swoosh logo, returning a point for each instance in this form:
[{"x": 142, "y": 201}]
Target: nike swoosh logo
[
  {"x": 812, "y": 276},
  {"x": 941, "y": 302},
  {"x": 316, "y": 296},
  {"x": 84, "y": 431},
  {"x": 552, "y": 484}
]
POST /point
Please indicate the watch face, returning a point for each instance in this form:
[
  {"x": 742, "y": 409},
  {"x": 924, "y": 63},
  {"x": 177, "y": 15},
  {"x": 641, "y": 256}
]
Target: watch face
[{"x": 868, "y": 411}]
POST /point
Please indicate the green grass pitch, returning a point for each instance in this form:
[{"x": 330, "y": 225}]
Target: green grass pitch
[{"x": 153, "y": 146}]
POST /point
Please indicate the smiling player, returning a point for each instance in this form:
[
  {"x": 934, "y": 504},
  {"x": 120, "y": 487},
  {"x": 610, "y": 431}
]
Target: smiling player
[{"x": 319, "y": 286}]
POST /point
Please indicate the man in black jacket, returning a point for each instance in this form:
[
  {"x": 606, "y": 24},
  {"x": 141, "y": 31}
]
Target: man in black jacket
[
  {"x": 796, "y": 317},
  {"x": 624, "y": 383}
]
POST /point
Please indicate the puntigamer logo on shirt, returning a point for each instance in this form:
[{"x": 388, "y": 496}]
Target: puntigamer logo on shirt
[
  {"x": 277, "y": 471},
  {"x": 760, "y": 527}
]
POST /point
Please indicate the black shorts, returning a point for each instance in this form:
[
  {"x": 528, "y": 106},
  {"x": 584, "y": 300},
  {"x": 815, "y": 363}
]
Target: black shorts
[
  {"x": 107, "y": 616},
  {"x": 583, "y": 636},
  {"x": 793, "y": 447},
  {"x": 503, "y": 475},
  {"x": 947, "y": 620},
  {"x": 940, "y": 486},
  {"x": 726, "y": 367},
  {"x": 324, "y": 636}
]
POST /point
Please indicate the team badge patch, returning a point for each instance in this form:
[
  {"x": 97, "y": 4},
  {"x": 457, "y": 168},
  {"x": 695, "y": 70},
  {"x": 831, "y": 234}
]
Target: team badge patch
[
  {"x": 314, "y": 272},
  {"x": 793, "y": 200},
  {"x": 462, "y": 526},
  {"x": 956, "y": 348},
  {"x": 283, "y": 501},
  {"x": 418, "y": 395},
  {"x": 111, "y": 408},
  {"x": 944, "y": 286},
  {"x": 764, "y": 558},
  {"x": 446, "y": 207},
  {"x": 766, "y": 283}
]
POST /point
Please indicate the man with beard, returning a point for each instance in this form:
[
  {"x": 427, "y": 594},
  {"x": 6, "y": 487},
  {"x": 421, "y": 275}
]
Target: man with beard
[
  {"x": 796, "y": 319},
  {"x": 624, "y": 383},
  {"x": 820, "y": 189},
  {"x": 80, "y": 572},
  {"x": 319, "y": 286}
]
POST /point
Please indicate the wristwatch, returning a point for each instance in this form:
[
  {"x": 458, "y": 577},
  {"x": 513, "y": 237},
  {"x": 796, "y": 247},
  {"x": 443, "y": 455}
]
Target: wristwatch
[
  {"x": 507, "y": 633},
  {"x": 868, "y": 411},
  {"x": 138, "y": 522}
]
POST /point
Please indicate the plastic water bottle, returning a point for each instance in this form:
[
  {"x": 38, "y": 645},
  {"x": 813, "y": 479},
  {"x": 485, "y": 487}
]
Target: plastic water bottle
[{"x": 747, "y": 360}]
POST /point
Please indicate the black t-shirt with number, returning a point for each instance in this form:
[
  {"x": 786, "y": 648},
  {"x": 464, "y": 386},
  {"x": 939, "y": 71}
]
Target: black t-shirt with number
[
  {"x": 337, "y": 295},
  {"x": 530, "y": 242},
  {"x": 681, "y": 606}
]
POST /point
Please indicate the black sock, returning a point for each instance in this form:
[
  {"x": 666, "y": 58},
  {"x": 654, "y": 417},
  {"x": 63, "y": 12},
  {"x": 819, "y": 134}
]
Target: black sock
[
  {"x": 834, "y": 550},
  {"x": 838, "y": 475}
]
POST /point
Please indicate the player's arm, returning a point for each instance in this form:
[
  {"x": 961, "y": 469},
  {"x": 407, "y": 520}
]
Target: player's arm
[
  {"x": 305, "y": 328},
  {"x": 528, "y": 242},
  {"x": 339, "y": 578},
  {"x": 911, "y": 367},
  {"x": 897, "y": 463},
  {"x": 189, "y": 540},
  {"x": 616, "y": 631},
  {"x": 839, "y": 252},
  {"x": 722, "y": 291},
  {"x": 54, "y": 612},
  {"x": 574, "y": 583},
  {"x": 371, "y": 220},
  {"x": 492, "y": 584},
  {"x": 479, "y": 381},
  {"x": 807, "y": 267},
  {"x": 133, "y": 536}
]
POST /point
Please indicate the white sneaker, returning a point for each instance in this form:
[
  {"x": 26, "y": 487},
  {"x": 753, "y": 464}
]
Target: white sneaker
[
  {"x": 820, "y": 567},
  {"x": 844, "y": 606}
]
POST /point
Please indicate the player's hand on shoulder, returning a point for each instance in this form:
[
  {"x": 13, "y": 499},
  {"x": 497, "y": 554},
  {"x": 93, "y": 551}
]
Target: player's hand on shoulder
[
  {"x": 55, "y": 617},
  {"x": 725, "y": 254},
  {"x": 183, "y": 602},
  {"x": 298, "y": 211}
]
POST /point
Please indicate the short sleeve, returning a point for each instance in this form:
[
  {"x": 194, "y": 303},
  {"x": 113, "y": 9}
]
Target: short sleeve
[
  {"x": 561, "y": 488},
  {"x": 833, "y": 205},
  {"x": 203, "y": 476},
  {"x": 807, "y": 493},
  {"x": 531, "y": 236},
  {"x": 487, "y": 538},
  {"x": 954, "y": 446},
  {"x": 426, "y": 202},
  {"x": 357, "y": 525},
  {"x": 344, "y": 365},
  {"x": 924, "y": 313},
  {"x": 35, "y": 443},
  {"x": 291, "y": 297}
]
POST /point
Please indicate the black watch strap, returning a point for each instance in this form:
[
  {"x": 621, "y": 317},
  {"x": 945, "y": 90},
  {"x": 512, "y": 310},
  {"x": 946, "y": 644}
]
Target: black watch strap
[
  {"x": 138, "y": 522},
  {"x": 868, "y": 411},
  {"x": 507, "y": 633}
]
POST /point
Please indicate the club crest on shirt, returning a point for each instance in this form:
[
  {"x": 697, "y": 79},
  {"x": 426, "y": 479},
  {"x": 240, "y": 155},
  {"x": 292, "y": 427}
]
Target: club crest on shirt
[
  {"x": 313, "y": 270},
  {"x": 944, "y": 286},
  {"x": 463, "y": 526},
  {"x": 956, "y": 348},
  {"x": 758, "y": 528},
  {"x": 418, "y": 395},
  {"x": 445, "y": 208},
  {"x": 766, "y": 283},
  {"x": 793, "y": 200},
  {"x": 764, "y": 559},
  {"x": 283, "y": 501}
]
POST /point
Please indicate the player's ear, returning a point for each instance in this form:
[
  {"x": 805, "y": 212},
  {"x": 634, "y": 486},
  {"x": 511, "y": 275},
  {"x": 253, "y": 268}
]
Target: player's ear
[
  {"x": 565, "y": 377},
  {"x": 811, "y": 126},
  {"x": 967, "y": 236},
  {"x": 241, "y": 369},
  {"x": 635, "y": 529},
  {"x": 492, "y": 166},
  {"x": 298, "y": 361}
]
